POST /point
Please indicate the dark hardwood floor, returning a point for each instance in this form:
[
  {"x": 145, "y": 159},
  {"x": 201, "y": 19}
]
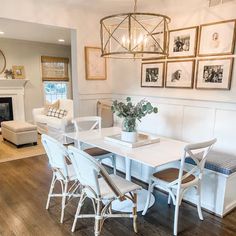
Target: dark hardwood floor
[{"x": 24, "y": 187}]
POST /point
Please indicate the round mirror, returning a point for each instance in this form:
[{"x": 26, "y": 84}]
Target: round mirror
[{"x": 2, "y": 62}]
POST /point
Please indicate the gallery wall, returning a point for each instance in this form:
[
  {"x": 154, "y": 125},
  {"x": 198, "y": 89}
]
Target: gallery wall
[
  {"x": 186, "y": 114},
  {"x": 28, "y": 54},
  {"x": 189, "y": 14}
]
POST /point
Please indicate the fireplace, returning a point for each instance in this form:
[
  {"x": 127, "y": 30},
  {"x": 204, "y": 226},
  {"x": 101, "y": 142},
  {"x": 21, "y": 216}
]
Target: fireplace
[{"x": 6, "y": 111}]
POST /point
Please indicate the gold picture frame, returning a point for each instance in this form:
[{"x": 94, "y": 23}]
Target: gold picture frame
[
  {"x": 95, "y": 65},
  {"x": 211, "y": 75},
  {"x": 153, "y": 74},
  {"x": 187, "y": 46},
  {"x": 183, "y": 80},
  {"x": 18, "y": 72},
  {"x": 210, "y": 38}
]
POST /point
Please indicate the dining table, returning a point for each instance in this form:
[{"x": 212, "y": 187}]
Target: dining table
[{"x": 153, "y": 155}]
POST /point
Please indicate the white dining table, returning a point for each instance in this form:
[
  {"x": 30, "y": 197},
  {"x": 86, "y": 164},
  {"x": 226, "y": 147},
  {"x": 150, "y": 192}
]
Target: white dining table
[{"x": 152, "y": 155}]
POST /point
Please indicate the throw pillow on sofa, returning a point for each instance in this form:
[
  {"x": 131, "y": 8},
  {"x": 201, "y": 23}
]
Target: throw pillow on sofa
[
  {"x": 58, "y": 113},
  {"x": 55, "y": 105}
]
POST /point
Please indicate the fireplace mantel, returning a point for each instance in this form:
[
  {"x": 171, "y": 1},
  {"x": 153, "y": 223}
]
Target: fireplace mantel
[
  {"x": 13, "y": 83},
  {"x": 15, "y": 88}
]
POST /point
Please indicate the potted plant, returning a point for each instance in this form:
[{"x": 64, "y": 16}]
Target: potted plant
[{"x": 131, "y": 113}]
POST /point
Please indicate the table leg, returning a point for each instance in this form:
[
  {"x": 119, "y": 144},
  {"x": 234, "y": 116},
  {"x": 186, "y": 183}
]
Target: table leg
[{"x": 126, "y": 206}]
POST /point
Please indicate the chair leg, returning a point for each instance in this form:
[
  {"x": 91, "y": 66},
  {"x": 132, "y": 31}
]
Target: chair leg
[
  {"x": 177, "y": 203},
  {"x": 135, "y": 213},
  {"x": 80, "y": 204},
  {"x": 199, "y": 202},
  {"x": 50, "y": 191},
  {"x": 114, "y": 164},
  {"x": 97, "y": 228},
  {"x": 150, "y": 189},
  {"x": 63, "y": 202}
]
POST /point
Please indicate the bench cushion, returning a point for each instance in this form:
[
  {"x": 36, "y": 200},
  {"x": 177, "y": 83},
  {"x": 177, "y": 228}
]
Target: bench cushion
[
  {"x": 18, "y": 126},
  {"x": 219, "y": 162}
]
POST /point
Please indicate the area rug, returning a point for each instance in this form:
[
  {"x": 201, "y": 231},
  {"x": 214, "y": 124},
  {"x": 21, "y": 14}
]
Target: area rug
[{"x": 9, "y": 152}]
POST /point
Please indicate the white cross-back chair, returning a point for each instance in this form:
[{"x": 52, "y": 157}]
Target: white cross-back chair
[
  {"x": 101, "y": 188},
  {"x": 62, "y": 172},
  {"x": 91, "y": 123},
  {"x": 177, "y": 181}
]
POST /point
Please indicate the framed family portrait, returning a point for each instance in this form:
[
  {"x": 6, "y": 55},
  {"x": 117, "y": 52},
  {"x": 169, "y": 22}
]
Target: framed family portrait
[
  {"x": 95, "y": 65},
  {"x": 217, "y": 38},
  {"x": 183, "y": 42},
  {"x": 18, "y": 72},
  {"x": 214, "y": 73},
  {"x": 180, "y": 74},
  {"x": 152, "y": 74}
]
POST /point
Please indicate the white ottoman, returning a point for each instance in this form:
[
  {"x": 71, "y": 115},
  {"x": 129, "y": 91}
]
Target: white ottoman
[{"x": 19, "y": 132}]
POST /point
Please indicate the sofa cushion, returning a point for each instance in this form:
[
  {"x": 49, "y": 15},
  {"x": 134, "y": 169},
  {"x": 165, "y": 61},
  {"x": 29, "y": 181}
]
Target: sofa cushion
[
  {"x": 50, "y": 121},
  {"x": 47, "y": 106},
  {"x": 219, "y": 162},
  {"x": 18, "y": 126}
]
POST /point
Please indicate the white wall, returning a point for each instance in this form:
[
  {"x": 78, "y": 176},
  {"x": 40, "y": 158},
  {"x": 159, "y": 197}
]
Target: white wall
[
  {"x": 187, "y": 114},
  {"x": 28, "y": 54},
  {"x": 59, "y": 13}
]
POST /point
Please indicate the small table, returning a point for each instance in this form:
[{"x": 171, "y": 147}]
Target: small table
[{"x": 152, "y": 155}]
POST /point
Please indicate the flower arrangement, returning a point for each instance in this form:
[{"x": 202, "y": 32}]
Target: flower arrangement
[{"x": 132, "y": 112}]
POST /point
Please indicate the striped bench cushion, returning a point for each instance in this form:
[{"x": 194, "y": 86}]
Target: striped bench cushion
[{"x": 219, "y": 162}]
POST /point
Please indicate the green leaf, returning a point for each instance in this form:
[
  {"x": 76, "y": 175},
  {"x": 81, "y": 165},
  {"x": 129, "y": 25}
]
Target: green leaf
[{"x": 128, "y": 99}]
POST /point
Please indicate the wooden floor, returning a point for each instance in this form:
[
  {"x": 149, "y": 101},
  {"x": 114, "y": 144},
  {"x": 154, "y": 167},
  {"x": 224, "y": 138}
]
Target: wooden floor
[
  {"x": 9, "y": 151},
  {"x": 24, "y": 186}
]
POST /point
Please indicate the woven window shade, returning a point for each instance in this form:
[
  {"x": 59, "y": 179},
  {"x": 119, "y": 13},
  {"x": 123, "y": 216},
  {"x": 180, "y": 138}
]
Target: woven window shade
[{"x": 54, "y": 68}]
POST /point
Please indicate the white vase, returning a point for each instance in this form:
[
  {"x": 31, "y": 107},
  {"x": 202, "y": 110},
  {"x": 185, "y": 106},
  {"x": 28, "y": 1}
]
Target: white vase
[{"x": 129, "y": 136}]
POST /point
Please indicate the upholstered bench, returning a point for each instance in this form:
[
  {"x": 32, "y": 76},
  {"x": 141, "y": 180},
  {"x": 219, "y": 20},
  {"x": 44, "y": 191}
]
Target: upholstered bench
[
  {"x": 219, "y": 183},
  {"x": 19, "y": 132}
]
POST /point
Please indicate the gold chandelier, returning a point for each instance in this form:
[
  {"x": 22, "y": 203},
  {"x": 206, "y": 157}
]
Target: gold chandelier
[{"x": 134, "y": 35}]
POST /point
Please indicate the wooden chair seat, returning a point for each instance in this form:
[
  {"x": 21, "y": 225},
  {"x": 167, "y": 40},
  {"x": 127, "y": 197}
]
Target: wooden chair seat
[
  {"x": 95, "y": 151},
  {"x": 171, "y": 174}
]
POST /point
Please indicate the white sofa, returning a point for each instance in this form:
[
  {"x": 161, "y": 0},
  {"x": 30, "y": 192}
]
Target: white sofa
[{"x": 53, "y": 126}]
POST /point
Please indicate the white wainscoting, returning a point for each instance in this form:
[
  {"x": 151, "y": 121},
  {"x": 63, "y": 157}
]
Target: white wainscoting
[
  {"x": 188, "y": 120},
  {"x": 88, "y": 103},
  {"x": 192, "y": 120}
]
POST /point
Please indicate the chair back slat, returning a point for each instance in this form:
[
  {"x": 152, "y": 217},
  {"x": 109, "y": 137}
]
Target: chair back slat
[
  {"x": 198, "y": 153},
  {"x": 57, "y": 154},
  {"x": 88, "y": 170},
  {"x": 87, "y": 123}
]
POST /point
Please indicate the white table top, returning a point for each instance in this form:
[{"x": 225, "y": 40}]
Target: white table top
[{"x": 153, "y": 155}]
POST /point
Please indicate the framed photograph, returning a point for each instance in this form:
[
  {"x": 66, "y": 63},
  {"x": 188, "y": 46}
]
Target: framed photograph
[
  {"x": 152, "y": 74},
  {"x": 95, "y": 65},
  {"x": 217, "y": 38},
  {"x": 180, "y": 74},
  {"x": 183, "y": 42},
  {"x": 214, "y": 73},
  {"x": 18, "y": 72}
]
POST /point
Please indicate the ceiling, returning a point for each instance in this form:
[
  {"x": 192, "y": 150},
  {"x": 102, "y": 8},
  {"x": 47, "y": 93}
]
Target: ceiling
[
  {"x": 106, "y": 6},
  {"x": 14, "y": 29}
]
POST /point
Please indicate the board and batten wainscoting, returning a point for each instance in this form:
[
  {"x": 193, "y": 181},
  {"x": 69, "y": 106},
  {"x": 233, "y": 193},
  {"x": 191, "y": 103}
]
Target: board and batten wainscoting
[
  {"x": 88, "y": 103},
  {"x": 193, "y": 121}
]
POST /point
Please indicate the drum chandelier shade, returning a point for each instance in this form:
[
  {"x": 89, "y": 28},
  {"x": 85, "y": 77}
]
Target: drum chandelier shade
[{"x": 134, "y": 35}]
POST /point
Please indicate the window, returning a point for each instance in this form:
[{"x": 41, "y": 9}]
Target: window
[{"x": 54, "y": 91}]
